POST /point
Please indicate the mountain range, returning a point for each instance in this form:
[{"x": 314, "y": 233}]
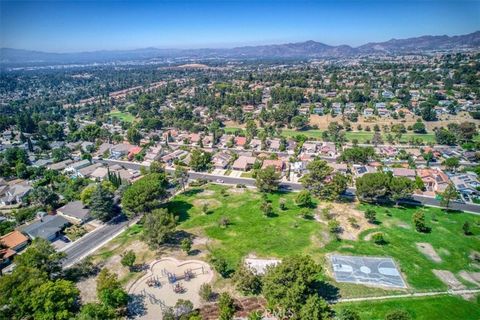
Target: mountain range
[{"x": 308, "y": 49}]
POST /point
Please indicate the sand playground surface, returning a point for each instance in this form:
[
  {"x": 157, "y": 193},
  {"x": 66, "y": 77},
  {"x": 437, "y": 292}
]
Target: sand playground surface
[{"x": 167, "y": 280}]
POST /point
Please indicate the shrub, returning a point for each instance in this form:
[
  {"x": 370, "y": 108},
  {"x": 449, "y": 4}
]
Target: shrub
[
  {"x": 398, "y": 315},
  {"x": 334, "y": 226},
  {"x": 379, "y": 238},
  {"x": 419, "y": 222},
  {"x": 371, "y": 215},
  {"x": 205, "y": 292}
]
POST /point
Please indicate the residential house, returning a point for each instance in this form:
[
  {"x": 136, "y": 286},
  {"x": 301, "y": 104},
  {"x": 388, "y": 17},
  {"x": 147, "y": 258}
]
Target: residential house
[
  {"x": 240, "y": 141},
  {"x": 13, "y": 192},
  {"x": 309, "y": 147},
  {"x": 368, "y": 112},
  {"x": 360, "y": 170},
  {"x": 48, "y": 228},
  {"x": 328, "y": 149},
  {"x": 338, "y": 167},
  {"x": 274, "y": 145},
  {"x": 133, "y": 152},
  {"x": 435, "y": 180},
  {"x": 120, "y": 150},
  {"x": 12, "y": 243},
  {"x": 86, "y": 172},
  {"x": 279, "y": 165},
  {"x": 403, "y": 172},
  {"x": 244, "y": 163},
  {"x": 466, "y": 183},
  {"x": 177, "y": 154},
  {"x": 75, "y": 212},
  {"x": 221, "y": 160},
  {"x": 60, "y": 165}
]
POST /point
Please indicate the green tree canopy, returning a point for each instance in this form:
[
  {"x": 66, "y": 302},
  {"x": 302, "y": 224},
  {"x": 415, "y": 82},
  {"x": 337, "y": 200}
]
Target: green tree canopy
[{"x": 144, "y": 194}]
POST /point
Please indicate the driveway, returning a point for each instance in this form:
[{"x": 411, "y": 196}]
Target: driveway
[{"x": 236, "y": 174}]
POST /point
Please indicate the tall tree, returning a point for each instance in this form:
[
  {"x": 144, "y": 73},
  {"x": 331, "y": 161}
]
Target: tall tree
[
  {"x": 267, "y": 180},
  {"x": 289, "y": 284},
  {"x": 181, "y": 176},
  {"x": 159, "y": 227},
  {"x": 144, "y": 194},
  {"x": 101, "y": 204},
  {"x": 55, "y": 300},
  {"x": 41, "y": 255},
  {"x": 110, "y": 291},
  {"x": 448, "y": 195}
]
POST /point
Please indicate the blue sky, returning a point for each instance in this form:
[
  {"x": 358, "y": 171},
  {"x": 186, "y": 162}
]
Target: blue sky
[{"x": 67, "y": 26}]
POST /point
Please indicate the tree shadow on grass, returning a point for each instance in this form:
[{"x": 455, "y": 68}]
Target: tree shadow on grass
[
  {"x": 179, "y": 208},
  {"x": 327, "y": 291},
  {"x": 192, "y": 192}
]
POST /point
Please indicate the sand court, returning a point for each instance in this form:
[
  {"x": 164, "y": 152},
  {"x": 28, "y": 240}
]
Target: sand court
[{"x": 166, "y": 281}]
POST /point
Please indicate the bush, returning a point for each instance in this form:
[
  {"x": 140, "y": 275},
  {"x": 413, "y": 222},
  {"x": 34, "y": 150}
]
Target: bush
[
  {"x": 205, "y": 292},
  {"x": 398, "y": 315},
  {"x": 334, "y": 226},
  {"x": 379, "y": 238},
  {"x": 304, "y": 199},
  {"x": 466, "y": 228},
  {"x": 347, "y": 314},
  {"x": 419, "y": 222},
  {"x": 224, "y": 222},
  {"x": 226, "y": 306},
  {"x": 221, "y": 266},
  {"x": 371, "y": 215},
  {"x": 186, "y": 245},
  {"x": 246, "y": 281}
]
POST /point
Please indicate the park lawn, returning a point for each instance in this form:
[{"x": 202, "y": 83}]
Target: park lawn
[
  {"x": 122, "y": 116},
  {"x": 249, "y": 232},
  {"x": 361, "y": 136},
  {"x": 424, "y": 308},
  {"x": 287, "y": 233},
  {"x": 446, "y": 237}
]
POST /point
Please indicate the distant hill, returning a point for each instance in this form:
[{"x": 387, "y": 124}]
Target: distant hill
[{"x": 308, "y": 49}]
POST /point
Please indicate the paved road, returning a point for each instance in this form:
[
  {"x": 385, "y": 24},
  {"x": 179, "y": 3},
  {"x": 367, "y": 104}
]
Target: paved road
[
  {"x": 93, "y": 240},
  {"x": 417, "y": 199}
]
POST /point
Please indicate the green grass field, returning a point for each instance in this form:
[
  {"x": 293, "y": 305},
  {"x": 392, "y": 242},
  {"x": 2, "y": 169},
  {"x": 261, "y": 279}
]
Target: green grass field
[
  {"x": 422, "y": 308},
  {"x": 249, "y": 231},
  {"x": 361, "y": 136},
  {"x": 446, "y": 237},
  {"x": 122, "y": 116},
  {"x": 287, "y": 233}
]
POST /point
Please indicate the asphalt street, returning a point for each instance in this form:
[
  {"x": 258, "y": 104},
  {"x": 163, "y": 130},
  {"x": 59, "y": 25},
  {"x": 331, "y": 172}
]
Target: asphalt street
[
  {"x": 87, "y": 244},
  {"x": 416, "y": 199}
]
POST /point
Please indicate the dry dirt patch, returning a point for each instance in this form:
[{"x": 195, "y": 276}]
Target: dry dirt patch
[
  {"x": 88, "y": 289},
  {"x": 428, "y": 251},
  {"x": 209, "y": 202},
  {"x": 345, "y": 214},
  {"x": 206, "y": 193},
  {"x": 237, "y": 190},
  {"x": 473, "y": 277},
  {"x": 449, "y": 279}
]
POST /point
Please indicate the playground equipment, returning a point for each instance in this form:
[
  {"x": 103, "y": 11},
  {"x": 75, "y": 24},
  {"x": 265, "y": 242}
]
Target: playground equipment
[{"x": 172, "y": 277}]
